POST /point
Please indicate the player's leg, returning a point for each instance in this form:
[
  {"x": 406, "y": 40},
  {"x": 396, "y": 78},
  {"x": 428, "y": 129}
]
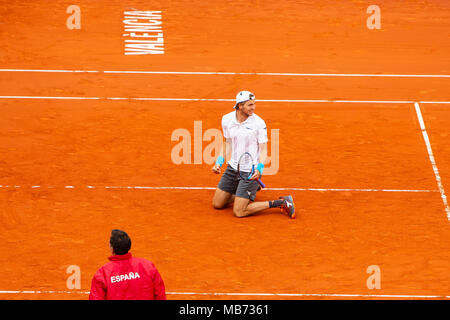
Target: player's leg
[
  {"x": 233, "y": 197},
  {"x": 244, "y": 204},
  {"x": 243, "y": 207},
  {"x": 245, "y": 195},
  {"x": 221, "y": 199},
  {"x": 225, "y": 192}
]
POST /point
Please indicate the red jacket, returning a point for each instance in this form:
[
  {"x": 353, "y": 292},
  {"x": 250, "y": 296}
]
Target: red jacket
[{"x": 127, "y": 278}]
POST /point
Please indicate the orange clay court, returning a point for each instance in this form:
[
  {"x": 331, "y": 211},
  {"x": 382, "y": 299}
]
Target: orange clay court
[{"x": 363, "y": 121}]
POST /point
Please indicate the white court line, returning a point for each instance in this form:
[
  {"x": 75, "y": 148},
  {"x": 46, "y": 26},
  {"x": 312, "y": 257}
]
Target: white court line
[
  {"x": 56, "y": 98},
  {"x": 312, "y": 295},
  {"x": 291, "y": 74},
  {"x": 222, "y": 100},
  {"x": 431, "y": 102},
  {"x": 336, "y": 295},
  {"x": 50, "y": 71},
  {"x": 41, "y": 292},
  {"x": 213, "y": 188},
  {"x": 432, "y": 159}
]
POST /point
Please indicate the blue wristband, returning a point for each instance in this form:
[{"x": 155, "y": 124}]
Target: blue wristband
[
  {"x": 220, "y": 160},
  {"x": 260, "y": 168}
]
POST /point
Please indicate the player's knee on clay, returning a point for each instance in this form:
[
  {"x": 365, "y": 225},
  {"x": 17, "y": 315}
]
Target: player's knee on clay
[
  {"x": 217, "y": 204},
  {"x": 219, "y": 201},
  {"x": 239, "y": 213}
]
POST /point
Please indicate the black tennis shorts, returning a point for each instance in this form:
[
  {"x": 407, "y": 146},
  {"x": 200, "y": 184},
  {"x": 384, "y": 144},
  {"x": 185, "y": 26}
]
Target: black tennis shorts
[{"x": 231, "y": 182}]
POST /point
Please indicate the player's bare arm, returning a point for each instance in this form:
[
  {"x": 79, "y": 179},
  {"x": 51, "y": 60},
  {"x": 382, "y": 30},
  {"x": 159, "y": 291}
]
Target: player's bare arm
[
  {"x": 262, "y": 161},
  {"x": 224, "y": 154}
]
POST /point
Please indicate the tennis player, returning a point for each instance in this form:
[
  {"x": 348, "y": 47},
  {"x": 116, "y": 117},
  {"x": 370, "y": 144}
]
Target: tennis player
[{"x": 244, "y": 131}]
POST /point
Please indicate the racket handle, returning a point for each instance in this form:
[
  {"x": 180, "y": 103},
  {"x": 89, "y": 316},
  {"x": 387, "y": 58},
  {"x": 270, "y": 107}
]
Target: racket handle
[{"x": 261, "y": 183}]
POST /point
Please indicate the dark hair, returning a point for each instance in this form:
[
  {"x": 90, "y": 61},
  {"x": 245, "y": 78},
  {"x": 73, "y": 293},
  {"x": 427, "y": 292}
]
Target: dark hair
[{"x": 120, "y": 242}]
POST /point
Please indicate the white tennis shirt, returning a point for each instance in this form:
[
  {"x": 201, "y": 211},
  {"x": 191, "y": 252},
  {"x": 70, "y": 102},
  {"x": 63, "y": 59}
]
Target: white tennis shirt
[{"x": 245, "y": 136}]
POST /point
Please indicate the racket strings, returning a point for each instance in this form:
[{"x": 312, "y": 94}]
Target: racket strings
[{"x": 246, "y": 166}]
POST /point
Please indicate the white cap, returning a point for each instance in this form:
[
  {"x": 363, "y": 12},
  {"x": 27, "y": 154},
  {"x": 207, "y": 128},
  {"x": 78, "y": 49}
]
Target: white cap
[{"x": 244, "y": 96}]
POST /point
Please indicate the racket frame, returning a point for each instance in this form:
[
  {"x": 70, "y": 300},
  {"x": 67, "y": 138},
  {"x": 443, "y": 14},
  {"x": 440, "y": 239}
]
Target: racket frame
[{"x": 251, "y": 172}]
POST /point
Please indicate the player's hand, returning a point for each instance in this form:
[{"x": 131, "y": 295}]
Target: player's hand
[
  {"x": 256, "y": 175},
  {"x": 216, "y": 169}
]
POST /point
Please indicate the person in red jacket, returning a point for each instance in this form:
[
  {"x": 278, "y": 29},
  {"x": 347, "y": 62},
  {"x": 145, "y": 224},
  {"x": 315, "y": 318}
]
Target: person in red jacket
[{"x": 126, "y": 277}]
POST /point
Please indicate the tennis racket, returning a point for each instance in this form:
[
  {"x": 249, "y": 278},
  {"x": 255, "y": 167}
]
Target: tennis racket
[{"x": 246, "y": 168}]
